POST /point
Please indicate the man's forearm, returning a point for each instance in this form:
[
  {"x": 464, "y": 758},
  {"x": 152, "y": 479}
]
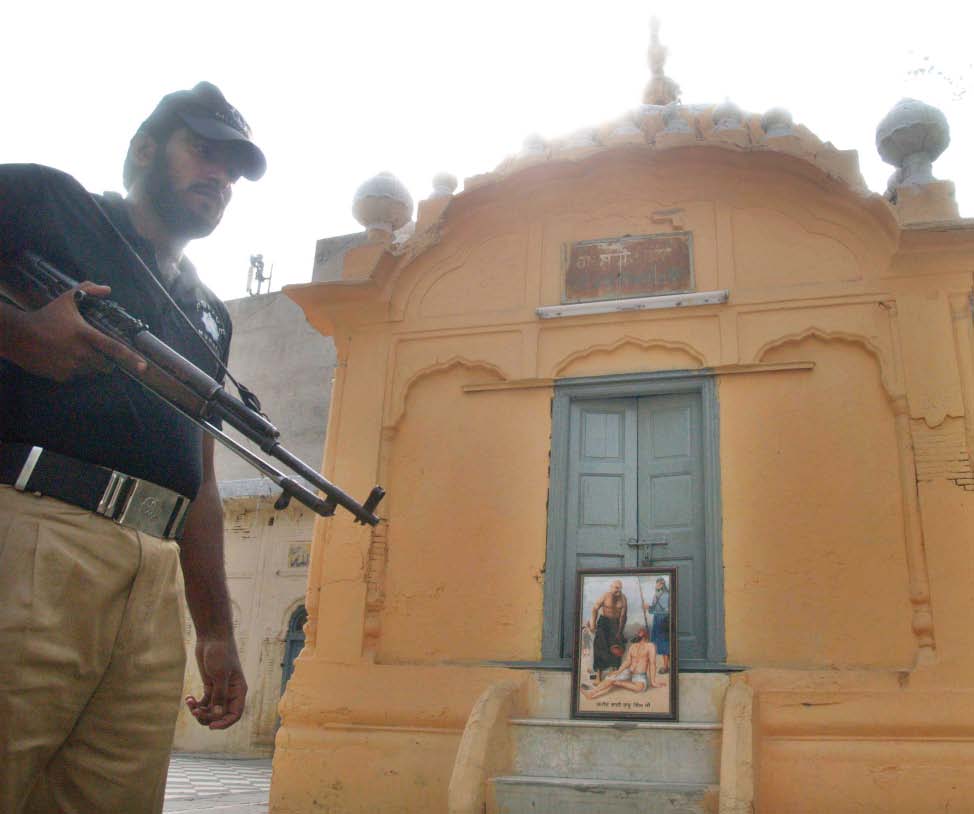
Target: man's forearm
[{"x": 201, "y": 555}]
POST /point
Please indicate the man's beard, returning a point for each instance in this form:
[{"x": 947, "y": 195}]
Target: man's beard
[{"x": 179, "y": 218}]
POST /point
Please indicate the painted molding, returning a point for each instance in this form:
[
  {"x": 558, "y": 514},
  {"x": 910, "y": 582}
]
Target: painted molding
[
  {"x": 717, "y": 370},
  {"x": 886, "y": 374},
  {"x": 399, "y": 409},
  {"x": 633, "y": 304},
  {"x": 645, "y": 344},
  {"x": 916, "y": 553}
]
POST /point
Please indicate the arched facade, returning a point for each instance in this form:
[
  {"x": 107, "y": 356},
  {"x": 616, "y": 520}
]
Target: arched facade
[{"x": 836, "y": 353}]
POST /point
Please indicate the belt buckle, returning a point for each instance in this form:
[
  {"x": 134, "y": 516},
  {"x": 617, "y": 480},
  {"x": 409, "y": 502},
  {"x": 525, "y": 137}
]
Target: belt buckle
[
  {"x": 142, "y": 505},
  {"x": 23, "y": 477}
]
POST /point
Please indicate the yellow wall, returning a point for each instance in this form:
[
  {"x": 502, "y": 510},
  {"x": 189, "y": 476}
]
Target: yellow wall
[
  {"x": 844, "y": 587},
  {"x": 815, "y": 562},
  {"x": 459, "y": 568}
]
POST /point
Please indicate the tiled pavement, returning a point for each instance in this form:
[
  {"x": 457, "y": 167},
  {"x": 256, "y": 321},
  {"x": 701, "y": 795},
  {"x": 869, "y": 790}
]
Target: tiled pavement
[{"x": 219, "y": 785}]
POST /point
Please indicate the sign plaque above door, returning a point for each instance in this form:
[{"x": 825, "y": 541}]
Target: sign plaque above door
[{"x": 630, "y": 266}]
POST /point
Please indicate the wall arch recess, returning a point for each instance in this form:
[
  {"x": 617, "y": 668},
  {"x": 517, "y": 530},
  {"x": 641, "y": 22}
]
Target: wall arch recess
[
  {"x": 922, "y": 622},
  {"x": 887, "y": 372},
  {"x": 699, "y": 360},
  {"x": 402, "y": 392}
]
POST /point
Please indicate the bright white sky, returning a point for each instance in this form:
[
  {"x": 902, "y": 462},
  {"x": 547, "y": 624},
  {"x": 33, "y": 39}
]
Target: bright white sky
[{"x": 338, "y": 91}]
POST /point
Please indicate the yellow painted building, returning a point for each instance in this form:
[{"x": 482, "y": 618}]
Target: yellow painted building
[{"x": 824, "y": 347}]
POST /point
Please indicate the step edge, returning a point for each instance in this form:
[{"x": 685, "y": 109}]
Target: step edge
[
  {"x": 648, "y": 785},
  {"x": 618, "y": 726}
]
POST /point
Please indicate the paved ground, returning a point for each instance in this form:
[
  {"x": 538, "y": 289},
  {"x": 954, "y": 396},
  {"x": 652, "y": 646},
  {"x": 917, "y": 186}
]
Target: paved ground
[{"x": 217, "y": 785}]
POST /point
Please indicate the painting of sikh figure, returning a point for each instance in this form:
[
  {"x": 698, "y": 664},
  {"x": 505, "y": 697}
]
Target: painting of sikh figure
[{"x": 625, "y": 663}]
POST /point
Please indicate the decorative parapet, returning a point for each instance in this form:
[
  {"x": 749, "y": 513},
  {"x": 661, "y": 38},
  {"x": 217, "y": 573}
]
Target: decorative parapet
[{"x": 663, "y": 127}]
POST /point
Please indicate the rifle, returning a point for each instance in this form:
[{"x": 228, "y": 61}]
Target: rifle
[{"x": 30, "y": 282}]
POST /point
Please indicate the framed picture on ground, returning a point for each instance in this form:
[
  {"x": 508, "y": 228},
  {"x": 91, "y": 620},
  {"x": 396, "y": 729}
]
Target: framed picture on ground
[{"x": 625, "y": 663}]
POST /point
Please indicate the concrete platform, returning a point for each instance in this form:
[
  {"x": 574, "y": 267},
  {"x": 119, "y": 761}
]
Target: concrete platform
[{"x": 668, "y": 753}]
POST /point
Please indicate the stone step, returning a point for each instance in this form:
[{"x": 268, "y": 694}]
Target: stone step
[
  {"x": 701, "y": 695},
  {"x": 613, "y": 750},
  {"x": 562, "y": 795}
]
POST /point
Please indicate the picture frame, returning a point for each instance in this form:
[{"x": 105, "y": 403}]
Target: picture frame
[{"x": 611, "y": 659}]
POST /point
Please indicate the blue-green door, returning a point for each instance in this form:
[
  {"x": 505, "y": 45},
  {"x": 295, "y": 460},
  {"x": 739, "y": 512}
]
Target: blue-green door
[
  {"x": 671, "y": 507},
  {"x": 602, "y": 494},
  {"x": 635, "y": 497}
]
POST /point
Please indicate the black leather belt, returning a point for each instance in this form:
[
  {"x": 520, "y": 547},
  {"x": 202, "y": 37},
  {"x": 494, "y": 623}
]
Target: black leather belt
[{"x": 128, "y": 501}]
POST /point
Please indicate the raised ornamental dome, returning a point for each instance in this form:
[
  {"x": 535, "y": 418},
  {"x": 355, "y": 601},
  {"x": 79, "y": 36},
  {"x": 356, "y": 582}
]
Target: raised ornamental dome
[
  {"x": 382, "y": 205},
  {"x": 911, "y": 137}
]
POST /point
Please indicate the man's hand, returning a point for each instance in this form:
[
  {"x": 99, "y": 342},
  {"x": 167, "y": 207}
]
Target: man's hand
[
  {"x": 55, "y": 341},
  {"x": 224, "y": 687}
]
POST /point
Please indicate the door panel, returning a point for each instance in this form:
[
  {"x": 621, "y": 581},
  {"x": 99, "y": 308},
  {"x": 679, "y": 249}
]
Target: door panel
[
  {"x": 691, "y": 619},
  {"x": 601, "y": 506},
  {"x": 671, "y": 506}
]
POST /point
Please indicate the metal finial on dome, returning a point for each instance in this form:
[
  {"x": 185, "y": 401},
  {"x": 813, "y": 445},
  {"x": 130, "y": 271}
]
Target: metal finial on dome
[
  {"x": 382, "y": 205},
  {"x": 661, "y": 90}
]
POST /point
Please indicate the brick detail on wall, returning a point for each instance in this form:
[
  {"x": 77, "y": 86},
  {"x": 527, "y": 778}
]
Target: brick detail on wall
[
  {"x": 942, "y": 454},
  {"x": 375, "y": 586}
]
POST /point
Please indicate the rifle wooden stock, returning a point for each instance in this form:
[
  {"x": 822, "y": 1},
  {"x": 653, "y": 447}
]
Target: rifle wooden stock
[{"x": 30, "y": 283}]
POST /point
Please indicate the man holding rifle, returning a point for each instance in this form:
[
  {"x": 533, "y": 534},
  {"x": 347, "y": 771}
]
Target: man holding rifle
[{"x": 103, "y": 487}]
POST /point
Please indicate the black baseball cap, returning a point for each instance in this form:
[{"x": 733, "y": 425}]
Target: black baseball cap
[{"x": 206, "y": 112}]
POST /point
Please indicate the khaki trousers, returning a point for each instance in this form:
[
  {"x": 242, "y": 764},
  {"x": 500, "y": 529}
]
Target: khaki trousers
[{"x": 91, "y": 660}]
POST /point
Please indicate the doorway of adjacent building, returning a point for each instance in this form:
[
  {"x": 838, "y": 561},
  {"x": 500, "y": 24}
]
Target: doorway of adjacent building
[
  {"x": 634, "y": 483},
  {"x": 293, "y": 643}
]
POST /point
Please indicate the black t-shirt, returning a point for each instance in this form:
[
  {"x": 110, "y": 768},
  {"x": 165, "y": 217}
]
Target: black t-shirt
[{"x": 105, "y": 419}]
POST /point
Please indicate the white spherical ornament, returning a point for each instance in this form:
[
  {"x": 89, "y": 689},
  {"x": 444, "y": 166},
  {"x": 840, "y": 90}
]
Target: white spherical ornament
[
  {"x": 777, "y": 122},
  {"x": 382, "y": 204},
  {"x": 728, "y": 116},
  {"x": 444, "y": 185},
  {"x": 911, "y": 138}
]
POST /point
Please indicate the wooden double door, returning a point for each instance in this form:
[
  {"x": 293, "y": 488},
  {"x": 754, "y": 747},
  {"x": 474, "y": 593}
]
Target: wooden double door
[{"x": 637, "y": 491}]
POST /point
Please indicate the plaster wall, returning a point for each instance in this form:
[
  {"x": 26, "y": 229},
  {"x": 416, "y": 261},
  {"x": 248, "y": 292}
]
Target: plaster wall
[
  {"x": 465, "y": 509},
  {"x": 844, "y": 379},
  {"x": 813, "y": 522}
]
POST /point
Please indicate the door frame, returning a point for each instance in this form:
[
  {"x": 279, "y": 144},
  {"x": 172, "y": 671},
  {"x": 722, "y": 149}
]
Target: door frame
[{"x": 631, "y": 385}]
